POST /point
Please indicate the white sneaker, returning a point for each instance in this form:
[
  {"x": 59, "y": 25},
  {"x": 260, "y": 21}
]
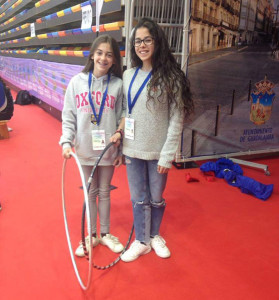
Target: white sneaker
[
  {"x": 79, "y": 251},
  {"x": 112, "y": 242},
  {"x": 136, "y": 249},
  {"x": 159, "y": 246}
]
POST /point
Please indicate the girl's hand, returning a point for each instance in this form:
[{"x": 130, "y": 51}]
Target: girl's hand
[
  {"x": 162, "y": 170},
  {"x": 66, "y": 153},
  {"x": 118, "y": 161},
  {"x": 116, "y": 138}
]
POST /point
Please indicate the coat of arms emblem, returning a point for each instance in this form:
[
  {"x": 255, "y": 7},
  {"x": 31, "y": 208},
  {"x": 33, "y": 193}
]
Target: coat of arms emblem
[{"x": 261, "y": 102}]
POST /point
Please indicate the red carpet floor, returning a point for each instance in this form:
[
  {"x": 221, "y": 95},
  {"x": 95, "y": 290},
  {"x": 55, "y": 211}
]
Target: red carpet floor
[{"x": 224, "y": 243}]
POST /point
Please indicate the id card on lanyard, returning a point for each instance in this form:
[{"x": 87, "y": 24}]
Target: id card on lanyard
[
  {"x": 98, "y": 136},
  {"x": 129, "y": 122},
  {"x": 98, "y": 139},
  {"x": 129, "y": 128}
]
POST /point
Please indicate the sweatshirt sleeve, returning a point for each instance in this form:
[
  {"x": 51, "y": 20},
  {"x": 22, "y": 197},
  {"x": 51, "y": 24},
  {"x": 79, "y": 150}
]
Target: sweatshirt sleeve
[
  {"x": 171, "y": 144},
  {"x": 120, "y": 107},
  {"x": 69, "y": 118},
  {"x": 120, "y": 112}
]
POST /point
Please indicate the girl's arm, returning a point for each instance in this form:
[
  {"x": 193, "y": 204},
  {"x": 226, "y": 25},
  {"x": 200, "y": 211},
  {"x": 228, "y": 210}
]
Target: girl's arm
[
  {"x": 120, "y": 111},
  {"x": 118, "y": 135},
  {"x": 171, "y": 144},
  {"x": 69, "y": 121}
]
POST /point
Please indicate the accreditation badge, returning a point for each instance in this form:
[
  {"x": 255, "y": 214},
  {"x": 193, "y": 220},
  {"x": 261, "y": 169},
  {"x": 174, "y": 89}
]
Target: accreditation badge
[
  {"x": 129, "y": 128},
  {"x": 98, "y": 139}
]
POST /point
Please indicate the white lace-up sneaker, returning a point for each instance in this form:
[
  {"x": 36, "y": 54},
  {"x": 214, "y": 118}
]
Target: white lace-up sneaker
[
  {"x": 112, "y": 242},
  {"x": 79, "y": 251},
  {"x": 159, "y": 246},
  {"x": 136, "y": 249}
]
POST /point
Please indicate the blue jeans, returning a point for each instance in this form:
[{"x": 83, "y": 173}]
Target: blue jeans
[{"x": 146, "y": 190}]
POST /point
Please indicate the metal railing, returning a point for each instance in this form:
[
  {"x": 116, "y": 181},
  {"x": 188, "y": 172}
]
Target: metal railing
[{"x": 172, "y": 16}]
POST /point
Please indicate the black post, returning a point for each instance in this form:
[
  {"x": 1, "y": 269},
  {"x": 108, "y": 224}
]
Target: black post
[
  {"x": 193, "y": 142},
  {"x": 181, "y": 142},
  {"x": 217, "y": 119},
  {"x": 232, "y": 106},
  {"x": 249, "y": 92}
]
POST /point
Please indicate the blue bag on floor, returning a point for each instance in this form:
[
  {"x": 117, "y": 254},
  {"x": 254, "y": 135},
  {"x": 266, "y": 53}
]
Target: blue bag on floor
[
  {"x": 248, "y": 185},
  {"x": 233, "y": 174},
  {"x": 220, "y": 165}
]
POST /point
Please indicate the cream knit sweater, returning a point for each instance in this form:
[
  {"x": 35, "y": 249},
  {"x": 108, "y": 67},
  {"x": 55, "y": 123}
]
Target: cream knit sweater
[{"x": 157, "y": 130}]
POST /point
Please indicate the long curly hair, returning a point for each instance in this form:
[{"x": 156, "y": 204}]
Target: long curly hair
[
  {"x": 116, "y": 68},
  {"x": 167, "y": 75}
]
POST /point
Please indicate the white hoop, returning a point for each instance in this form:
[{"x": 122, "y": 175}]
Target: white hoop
[{"x": 89, "y": 230}]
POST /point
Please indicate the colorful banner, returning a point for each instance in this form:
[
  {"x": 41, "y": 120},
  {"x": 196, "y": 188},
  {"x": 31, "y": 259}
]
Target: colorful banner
[
  {"x": 235, "y": 92},
  {"x": 251, "y": 126},
  {"x": 226, "y": 120},
  {"x": 43, "y": 79}
]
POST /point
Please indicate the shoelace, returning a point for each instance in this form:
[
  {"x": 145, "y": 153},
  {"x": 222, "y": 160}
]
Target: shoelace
[
  {"x": 160, "y": 241},
  {"x": 86, "y": 241},
  {"x": 136, "y": 245},
  {"x": 114, "y": 238}
]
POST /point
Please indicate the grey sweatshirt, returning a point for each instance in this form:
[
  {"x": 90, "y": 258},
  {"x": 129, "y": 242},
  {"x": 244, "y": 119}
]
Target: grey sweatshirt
[
  {"x": 76, "y": 116},
  {"x": 157, "y": 129}
]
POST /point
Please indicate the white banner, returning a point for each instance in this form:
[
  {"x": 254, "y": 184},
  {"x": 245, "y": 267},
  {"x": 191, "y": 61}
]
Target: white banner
[
  {"x": 32, "y": 30},
  {"x": 86, "y": 17},
  {"x": 99, "y": 6}
]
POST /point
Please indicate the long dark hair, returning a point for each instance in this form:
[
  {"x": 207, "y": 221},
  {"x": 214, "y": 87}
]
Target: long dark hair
[
  {"x": 116, "y": 68},
  {"x": 166, "y": 73}
]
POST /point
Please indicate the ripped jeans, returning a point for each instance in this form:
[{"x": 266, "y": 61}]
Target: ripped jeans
[{"x": 146, "y": 190}]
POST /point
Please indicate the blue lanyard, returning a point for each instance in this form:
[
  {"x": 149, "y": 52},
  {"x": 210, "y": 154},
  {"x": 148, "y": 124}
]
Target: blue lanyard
[
  {"x": 130, "y": 102},
  {"x": 98, "y": 118}
]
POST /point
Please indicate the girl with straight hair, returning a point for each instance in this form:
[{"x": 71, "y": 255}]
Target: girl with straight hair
[{"x": 92, "y": 112}]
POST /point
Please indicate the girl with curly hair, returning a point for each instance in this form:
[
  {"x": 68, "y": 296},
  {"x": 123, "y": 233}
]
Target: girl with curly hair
[{"x": 158, "y": 99}]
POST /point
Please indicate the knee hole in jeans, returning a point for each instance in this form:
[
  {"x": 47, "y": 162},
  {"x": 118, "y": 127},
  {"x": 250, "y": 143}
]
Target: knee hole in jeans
[{"x": 158, "y": 204}]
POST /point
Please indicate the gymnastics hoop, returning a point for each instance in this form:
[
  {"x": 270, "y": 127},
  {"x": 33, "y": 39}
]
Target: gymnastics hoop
[
  {"x": 86, "y": 285},
  {"x": 85, "y": 208}
]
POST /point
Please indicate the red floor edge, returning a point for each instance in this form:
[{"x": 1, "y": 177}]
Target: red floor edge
[{"x": 224, "y": 243}]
